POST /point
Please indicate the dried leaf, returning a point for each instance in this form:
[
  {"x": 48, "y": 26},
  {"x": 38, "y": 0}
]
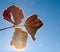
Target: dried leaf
[
  {"x": 16, "y": 13},
  {"x": 7, "y": 16},
  {"x": 19, "y": 39},
  {"x": 32, "y": 24}
]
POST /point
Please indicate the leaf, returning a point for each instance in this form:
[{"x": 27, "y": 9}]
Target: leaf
[
  {"x": 7, "y": 16},
  {"x": 32, "y": 24},
  {"x": 15, "y": 12},
  {"x": 19, "y": 39}
]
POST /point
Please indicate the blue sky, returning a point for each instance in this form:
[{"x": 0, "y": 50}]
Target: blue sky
[{"x": 47, "y": 37}]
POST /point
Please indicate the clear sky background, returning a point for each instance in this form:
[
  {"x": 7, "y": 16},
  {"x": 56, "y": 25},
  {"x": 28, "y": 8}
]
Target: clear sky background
[{"x": 47, "y": 37}]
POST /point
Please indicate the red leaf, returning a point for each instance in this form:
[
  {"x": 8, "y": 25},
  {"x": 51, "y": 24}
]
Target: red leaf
[{"x": 16, "y": 13}]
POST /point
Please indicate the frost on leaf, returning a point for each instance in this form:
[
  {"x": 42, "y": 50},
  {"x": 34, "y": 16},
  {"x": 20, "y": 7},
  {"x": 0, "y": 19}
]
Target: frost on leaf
[
  {"x": 16, "y": 13},
  {"x": 19, "y": 39},
  {"x": 32, "y": 24}
]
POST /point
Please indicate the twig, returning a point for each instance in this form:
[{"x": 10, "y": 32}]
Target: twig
[{"x": 6, "y": 28}]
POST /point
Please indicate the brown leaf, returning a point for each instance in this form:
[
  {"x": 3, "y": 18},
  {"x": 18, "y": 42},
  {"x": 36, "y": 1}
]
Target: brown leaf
[
  {"x": 7, "y": 16},
  {"x": 19, "y": 39},
  {"x": 16, "y": 13},
  {"x": 32, "y": 24}
]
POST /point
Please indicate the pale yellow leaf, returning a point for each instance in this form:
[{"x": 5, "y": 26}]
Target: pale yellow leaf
[{"x": 19, "y": 39}]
